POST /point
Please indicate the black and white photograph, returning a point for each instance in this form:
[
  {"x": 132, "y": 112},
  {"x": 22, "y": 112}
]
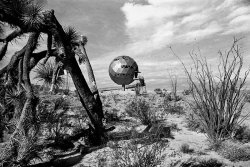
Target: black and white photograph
[{"x": 124, "y": 83}]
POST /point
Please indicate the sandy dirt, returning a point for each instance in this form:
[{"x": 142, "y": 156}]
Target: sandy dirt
[{"x": 116, "y": 101}]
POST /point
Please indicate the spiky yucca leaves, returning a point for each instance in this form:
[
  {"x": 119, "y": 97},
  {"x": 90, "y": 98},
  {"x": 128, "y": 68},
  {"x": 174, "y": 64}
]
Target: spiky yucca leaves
[
  {"x": 71, "y": 35},
  {"x": 22, "y": 13},
  {"x": 32, "y": 18},
  {"x": 84, "y": 40},
  {"x": 23, "y": 148},
  {"x": 61, "y": 103},
  {"x": 53, "y": 115},
  {"x": 14, "y": 97},
  {"x": 82, "y": 56},
  {"x": 31, "y": 145},
  {"x": 2, "y": 91},
  {"x": 44, "y": 73},
  {"x": 2, "y": 124},
  {"x": 25, "y": 144}
]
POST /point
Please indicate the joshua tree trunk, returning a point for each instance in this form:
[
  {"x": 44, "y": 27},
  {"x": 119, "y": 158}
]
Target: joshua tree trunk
[
  {"x": 93, "y": 108},
  {"x": 89, "y": 68},
  {"x": 92, "y": 82},
  {"x": 56, "y": 71}
]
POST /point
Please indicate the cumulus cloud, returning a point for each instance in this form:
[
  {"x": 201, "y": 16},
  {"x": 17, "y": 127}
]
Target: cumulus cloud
[{"x": 161, "y": 22}]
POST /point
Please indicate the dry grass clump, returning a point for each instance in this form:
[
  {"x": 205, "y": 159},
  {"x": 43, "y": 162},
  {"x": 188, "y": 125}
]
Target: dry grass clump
[
  {"x": 113, "y": 115},
  {"x": 172, "y": 107},
  {"x": 242, "y": 133},
  {"x": 53, "y": 115},
  {"x": 30, "y": 149},
  {"x": 115, "y": 97},
  {"x": 186, "y": 92},
  {"x": 2, "y": 124},
  {"x": 140, "y": 109},
  {"x": 24, "y": 146},
  {"x": 47, "y": 121},
  {"x": 247, "y": 96},
  {"x": 138, "y": 155},
  {"x": 158, "y": 91},
  {"x": 173, "y": 82},
  {"x": 196, "y": 162},
  {"x": 193, "y": 123},
  {"x": 218, "y": 99},
  {"x": 185, "y": 148},
  {"x": 174, "y": 127},
  {"x": 234, "y": 151}
]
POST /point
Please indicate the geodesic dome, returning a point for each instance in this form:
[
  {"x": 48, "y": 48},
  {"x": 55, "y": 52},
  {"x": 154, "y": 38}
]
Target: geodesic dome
[{"x": 122, "y": 70}]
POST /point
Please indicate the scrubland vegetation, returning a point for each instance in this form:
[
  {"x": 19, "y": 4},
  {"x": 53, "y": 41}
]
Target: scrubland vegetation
[
  {"x": 206, "y": 125},
  {"x": 150, "y": 129}
]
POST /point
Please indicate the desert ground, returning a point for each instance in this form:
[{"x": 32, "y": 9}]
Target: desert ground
[{"x": 184, "y": 146}]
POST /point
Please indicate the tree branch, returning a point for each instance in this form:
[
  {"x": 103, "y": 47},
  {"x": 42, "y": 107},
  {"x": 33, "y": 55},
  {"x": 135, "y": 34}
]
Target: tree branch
[
  {"x": 6, "y": 41},
  {"x": 3, "y": 50},
  {"x": 49, "y": 50},
  {"x": 20, "y": 73},
  {"x": 31, "y": 45},
  {"x": 35, "y": 58},
  {"x": 17, "y": 32},
  {"x": 56, "y": 70}
]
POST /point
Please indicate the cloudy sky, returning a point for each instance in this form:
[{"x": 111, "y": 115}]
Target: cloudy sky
[{"x": 144, "y": 30}]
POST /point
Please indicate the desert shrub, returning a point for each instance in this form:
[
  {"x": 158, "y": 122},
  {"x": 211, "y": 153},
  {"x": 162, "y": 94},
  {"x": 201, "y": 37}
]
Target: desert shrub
[
  {"x": 218, "y": 99},
  {"x": 12, "y": 103},
  {"x": 195, "y": 162},
  {"x": 173, "y": 82},
  {"x": 186, "y": 149},
  {"x": 15, "y": 98},
  {"x": 193, "y": 123},
  {"x": 26, "y": 145},
  {"x": 158, "y": 91},
  {"x": 172, "y": 108},
  {"x": 102, "y": 159},
  {"x": 112, "y": 115},
  {"x": 248, "y": 96},
  {"x": 140, "y": 109},
  {"x": 174, "y": 126},
  {"x": 53, "y": 115},
  {"x": 2, "y": 108},
  {"x": 115, "y": 97},
  {"x": 186, "y": 92},
  {"x": 2, "y": 124},
  {"x": 171, "y": 96},
  {"x": 242, "y": 133},
  {"x": 234, "y": 152},
  {"x": 131, "y": 155}
]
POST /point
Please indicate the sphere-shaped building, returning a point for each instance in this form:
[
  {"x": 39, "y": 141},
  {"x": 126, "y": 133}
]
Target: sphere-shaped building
[{"x": 122, "y": 70}]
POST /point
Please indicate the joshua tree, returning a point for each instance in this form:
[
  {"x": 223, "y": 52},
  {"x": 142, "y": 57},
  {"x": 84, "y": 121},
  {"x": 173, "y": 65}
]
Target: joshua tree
[{"x": 28, "y": 18}]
